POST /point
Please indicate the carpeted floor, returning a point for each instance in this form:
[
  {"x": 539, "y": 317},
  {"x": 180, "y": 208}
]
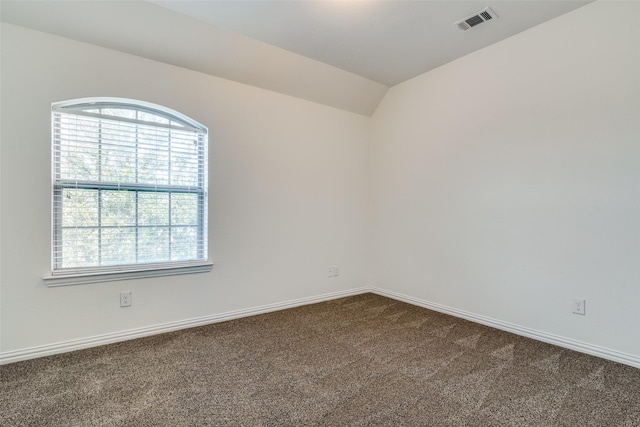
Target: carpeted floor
[{"x": 362, "y": 360}]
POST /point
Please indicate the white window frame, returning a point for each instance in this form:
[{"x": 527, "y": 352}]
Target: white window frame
[{"x": 81, "y": 275}]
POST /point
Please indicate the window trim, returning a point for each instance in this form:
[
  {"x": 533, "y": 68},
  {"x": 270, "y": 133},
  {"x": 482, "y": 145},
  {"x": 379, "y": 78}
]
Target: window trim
[
  {"x": 94, "y": 274},
  {"x": 140, "y": 273}
]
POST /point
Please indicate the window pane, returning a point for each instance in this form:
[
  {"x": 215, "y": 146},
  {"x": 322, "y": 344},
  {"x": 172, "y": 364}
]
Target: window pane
[
  {"x": 118, "y": 152},
  {"x": 78, "y": 144},
  {"x": 184, "y": 209},
  {"x": 118, "y": 246},
  {"x": 119, "y": 112},
  {"x": 80, "y": 207},
  {"x": 118, "y": 208},
  {"x": 153, "y": 156},
  {"x": 148, "y": 117},
  {"x": 153, "y": 208},
  {"x": 153, "y": 244},
  {"x": 183, "y": 243},
  {"x": 184, "y": 158},
  {"x": 80, "y": 247}
]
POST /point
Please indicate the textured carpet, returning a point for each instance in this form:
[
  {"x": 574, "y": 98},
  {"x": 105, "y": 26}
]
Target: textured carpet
[{"x": 362, "y": 360}]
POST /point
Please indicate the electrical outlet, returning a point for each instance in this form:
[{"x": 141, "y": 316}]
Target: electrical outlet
[
  {"x": 333, "y": 271},
  {"x": 577, "y": 306},
  {"x": 125, "y": 299}
]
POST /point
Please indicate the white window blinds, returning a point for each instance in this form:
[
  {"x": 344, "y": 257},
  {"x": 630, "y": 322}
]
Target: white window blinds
[{"x": 129, "y": 187}]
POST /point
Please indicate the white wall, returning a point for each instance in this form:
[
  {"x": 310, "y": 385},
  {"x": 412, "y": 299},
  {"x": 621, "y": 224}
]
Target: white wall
[
  {"x": 287, "y": 193},
  {"x": 508, "y": 181}
]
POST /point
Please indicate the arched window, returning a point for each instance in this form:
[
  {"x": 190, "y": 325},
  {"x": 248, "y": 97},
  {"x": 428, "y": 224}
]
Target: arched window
[{"x": 129, "y": 188}]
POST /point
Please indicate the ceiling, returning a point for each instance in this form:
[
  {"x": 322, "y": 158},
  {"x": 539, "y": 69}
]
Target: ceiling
[
  {"x": 341, "y": 53},
  {"x": 385, "y": 41}
]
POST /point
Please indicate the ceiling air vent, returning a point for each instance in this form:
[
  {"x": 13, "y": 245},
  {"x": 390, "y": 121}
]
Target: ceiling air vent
[{"x": 475, "y": 19}]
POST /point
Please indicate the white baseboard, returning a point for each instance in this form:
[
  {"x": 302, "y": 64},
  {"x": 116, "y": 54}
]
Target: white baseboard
[
  {"x": 78, "y": 344},
  {"x": 594, "y": 350}
]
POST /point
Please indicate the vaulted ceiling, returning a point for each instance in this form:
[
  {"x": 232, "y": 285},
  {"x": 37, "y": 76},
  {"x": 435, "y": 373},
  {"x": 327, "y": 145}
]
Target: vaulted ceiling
[{"x": 342, "y": 53}]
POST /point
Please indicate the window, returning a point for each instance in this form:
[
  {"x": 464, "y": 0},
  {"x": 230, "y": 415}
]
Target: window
[{"x": 129, "y": 189}]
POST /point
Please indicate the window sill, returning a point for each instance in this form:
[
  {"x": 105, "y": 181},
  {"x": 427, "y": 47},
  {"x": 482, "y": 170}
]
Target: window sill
[{"x": 85, "y": 278}]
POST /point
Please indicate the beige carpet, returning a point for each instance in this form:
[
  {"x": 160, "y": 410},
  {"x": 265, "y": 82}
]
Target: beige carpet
[{"x": 363, "y": 360}]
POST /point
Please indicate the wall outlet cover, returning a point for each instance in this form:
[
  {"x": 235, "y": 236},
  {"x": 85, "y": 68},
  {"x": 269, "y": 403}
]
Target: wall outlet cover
[
  {"x": 125, "y": 299},
  {"x": 578, "y": 306}
]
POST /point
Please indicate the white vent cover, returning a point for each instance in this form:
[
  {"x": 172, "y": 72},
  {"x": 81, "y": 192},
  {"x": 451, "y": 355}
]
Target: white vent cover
[{"x": 475, "y": 19}]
